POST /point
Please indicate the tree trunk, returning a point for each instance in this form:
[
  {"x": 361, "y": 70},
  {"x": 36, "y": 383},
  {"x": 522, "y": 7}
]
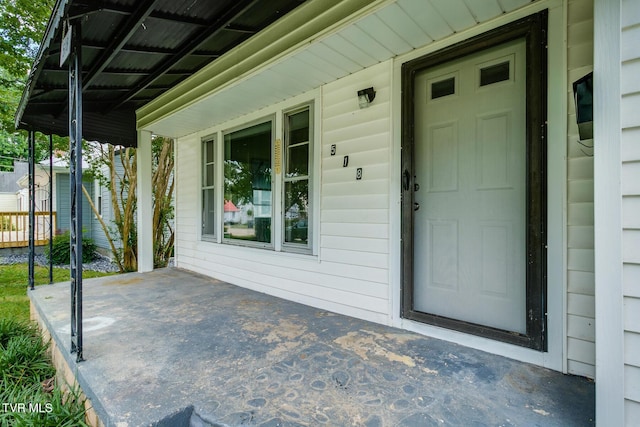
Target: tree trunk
[
  {"x": 163, "y": 186},
  {"x": 122, "y": 190}
]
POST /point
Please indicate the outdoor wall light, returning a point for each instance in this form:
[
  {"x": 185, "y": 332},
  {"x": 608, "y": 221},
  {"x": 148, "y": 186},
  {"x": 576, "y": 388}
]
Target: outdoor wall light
[
  {"x": 583, "y": 95},
  {"x": 366, "y": 97}
]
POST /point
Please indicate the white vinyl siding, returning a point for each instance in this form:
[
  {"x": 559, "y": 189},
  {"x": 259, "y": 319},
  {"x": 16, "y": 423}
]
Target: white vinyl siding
[
  {"x": 108, "y": 216},
  {"x": 355, "y": 213},
  {"x": 8, "y": 202},
  {"x": 350, "y": 273},
  {"x": 580, "y": 219},
  {"x": 630, "y": 185},
  {"x": 102, "y": 200}
]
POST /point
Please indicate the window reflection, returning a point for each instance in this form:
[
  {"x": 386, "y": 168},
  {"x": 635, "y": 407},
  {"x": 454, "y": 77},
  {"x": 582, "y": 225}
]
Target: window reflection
[
  {"x": 247, "y": 184},
  {"x": 297, "y": 211},
  {"x": 296, "y": 180}
]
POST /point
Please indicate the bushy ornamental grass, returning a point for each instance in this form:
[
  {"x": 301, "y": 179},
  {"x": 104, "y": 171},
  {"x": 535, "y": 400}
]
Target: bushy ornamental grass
[
  {"x": 24, "y": 358},
  {"x": 24, "y": 366},
  {"x": 55, "y": 409},
  {"x": 10, "y": 328}
]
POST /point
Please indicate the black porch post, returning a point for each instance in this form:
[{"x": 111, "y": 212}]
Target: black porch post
[
  {"x": 75, "y": 183},
  {"x": 50, "y": 209},
  {"x": 32, "y": 207}
]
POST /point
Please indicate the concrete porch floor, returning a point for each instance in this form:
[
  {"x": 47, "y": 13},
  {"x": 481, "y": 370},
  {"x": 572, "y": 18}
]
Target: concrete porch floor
[{"x": 168, "y": 346}]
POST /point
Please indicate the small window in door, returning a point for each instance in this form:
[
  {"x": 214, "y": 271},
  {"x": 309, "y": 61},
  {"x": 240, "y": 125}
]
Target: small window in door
[
  {"x": 496, "y": 71},
  {"x": 494, "y": 74},
  {"x": 442, "y": 86}
]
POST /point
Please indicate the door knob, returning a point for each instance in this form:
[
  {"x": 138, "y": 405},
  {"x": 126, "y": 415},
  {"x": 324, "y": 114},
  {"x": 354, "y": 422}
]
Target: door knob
[{"x": 416, "y": 206}]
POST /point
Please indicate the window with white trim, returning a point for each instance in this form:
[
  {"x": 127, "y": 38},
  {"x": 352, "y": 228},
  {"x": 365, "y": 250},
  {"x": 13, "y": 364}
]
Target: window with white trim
[
  {"x": 208, "y": 188},
  {"x": 297, "y": 179},
  {"x": 253, "y": 185},
  {"x": 98, "y": 190}
]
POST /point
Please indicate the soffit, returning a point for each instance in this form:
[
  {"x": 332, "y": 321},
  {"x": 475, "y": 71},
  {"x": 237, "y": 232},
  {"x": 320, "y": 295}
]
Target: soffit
[{"x": 392, "y": 29}]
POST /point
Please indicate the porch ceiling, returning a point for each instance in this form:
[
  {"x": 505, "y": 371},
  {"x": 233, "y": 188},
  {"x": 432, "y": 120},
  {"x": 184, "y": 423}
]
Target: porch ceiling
[
  {"x": 133, "y": 51},
  {"x": 182, "y": 67},
  {"x": 391, "y": 28}
]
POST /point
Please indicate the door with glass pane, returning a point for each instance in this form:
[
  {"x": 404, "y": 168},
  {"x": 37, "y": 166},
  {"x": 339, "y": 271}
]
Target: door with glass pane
[
  {"x": 473, "y": 186},
  {"x": 469, "y": 235}
]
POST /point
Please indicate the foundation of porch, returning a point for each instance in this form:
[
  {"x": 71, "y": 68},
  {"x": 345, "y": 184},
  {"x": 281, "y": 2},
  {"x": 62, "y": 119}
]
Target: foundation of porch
[{"x": 170, "y": 347}]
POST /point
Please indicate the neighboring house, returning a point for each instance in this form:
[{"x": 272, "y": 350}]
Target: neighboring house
[
  {"x": 61, "y": 205},
  {"x": 417, "y": 163},
  {"x": 14, "y": 208},
  {"x": 9, "y": 187},
  {"x": 102, "y": 200},
  {"x": 231, "y": 212}
]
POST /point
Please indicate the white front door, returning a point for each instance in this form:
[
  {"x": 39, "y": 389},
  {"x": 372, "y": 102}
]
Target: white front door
[{"x": 469, "y": 231}]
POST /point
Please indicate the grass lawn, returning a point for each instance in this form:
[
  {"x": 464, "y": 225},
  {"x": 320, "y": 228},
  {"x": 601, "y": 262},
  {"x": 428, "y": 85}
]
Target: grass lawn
[{"x": 14, "y": 302}]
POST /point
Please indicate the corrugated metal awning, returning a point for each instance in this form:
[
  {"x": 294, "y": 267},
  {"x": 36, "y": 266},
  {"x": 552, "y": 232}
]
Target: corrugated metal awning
[{"x": 133, "y": 51}]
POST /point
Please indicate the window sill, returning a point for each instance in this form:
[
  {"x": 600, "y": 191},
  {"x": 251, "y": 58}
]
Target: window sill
[{"x": 268, "y": 251}]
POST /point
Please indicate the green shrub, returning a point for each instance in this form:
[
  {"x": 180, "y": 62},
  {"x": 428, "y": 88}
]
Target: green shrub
[
  {"x": 7, "y": 225},
  {"x": 61, "y": 251}
]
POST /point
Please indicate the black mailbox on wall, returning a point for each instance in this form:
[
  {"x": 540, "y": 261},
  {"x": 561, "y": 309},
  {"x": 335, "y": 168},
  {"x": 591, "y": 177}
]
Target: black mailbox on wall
[{"x": 583, "y": 95}]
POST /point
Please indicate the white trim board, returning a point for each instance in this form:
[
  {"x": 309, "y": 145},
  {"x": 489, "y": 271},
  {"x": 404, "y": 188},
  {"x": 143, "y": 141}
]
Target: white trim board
[{"x": 607, "y": 214}]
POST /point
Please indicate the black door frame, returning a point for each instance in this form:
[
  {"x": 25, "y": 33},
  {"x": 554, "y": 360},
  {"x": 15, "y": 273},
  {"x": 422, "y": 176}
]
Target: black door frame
[{"x": 533, "y": 29}]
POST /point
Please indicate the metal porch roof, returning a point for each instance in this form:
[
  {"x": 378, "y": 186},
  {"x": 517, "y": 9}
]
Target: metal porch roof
[{"x": 133, "y": 51}]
